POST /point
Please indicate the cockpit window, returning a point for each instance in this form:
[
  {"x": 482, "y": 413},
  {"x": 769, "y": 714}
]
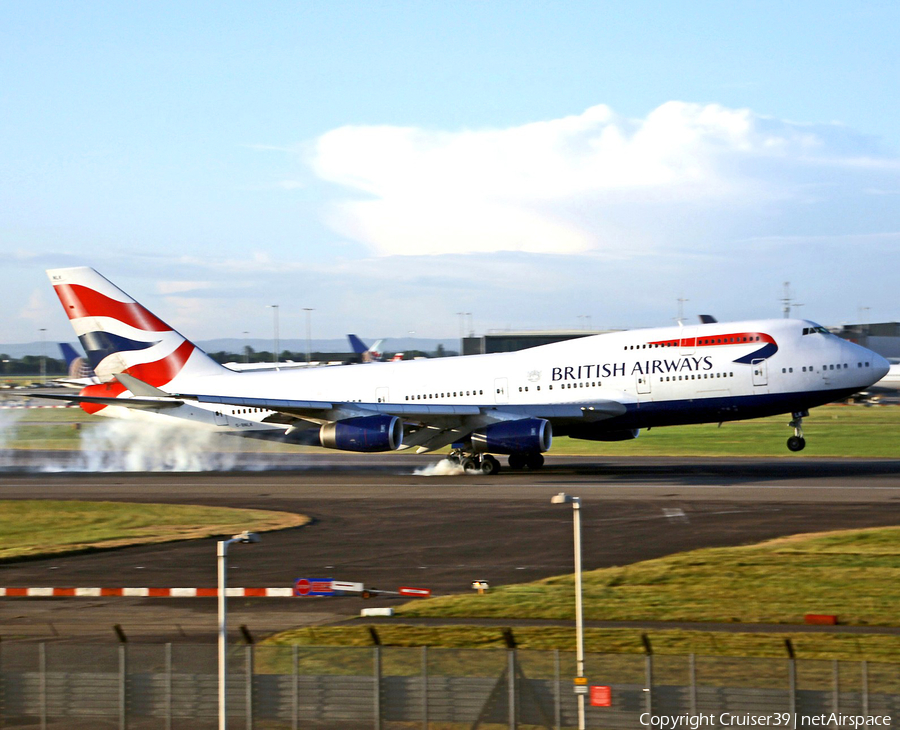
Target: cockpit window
[{"x": 818, "y": 329}]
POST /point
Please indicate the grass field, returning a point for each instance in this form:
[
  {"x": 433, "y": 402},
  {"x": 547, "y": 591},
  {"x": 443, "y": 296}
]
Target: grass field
[
  {"x": 33, "y": 528},
  {"x": 854, "y": 574},
  {"x": 874, "y": 647},
  {"x": 831, "y": 431}
]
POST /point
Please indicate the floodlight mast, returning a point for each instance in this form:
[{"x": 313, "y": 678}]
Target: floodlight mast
[
  {"x": 244, "y": 537},
  {"x": 563, "y": 498}
]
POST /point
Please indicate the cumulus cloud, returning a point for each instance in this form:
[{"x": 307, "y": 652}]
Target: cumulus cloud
[{"x": 595, "y": 182}]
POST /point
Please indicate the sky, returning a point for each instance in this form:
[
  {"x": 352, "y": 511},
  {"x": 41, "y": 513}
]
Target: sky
[{"x": 390, "y": 165}]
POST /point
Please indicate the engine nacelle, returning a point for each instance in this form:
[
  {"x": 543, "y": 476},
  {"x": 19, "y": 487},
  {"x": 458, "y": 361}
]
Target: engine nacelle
[
  {"x": 528, "y": 435},
  {"x": 364, "y": 433},
  {"x": 592, "y": 434}
]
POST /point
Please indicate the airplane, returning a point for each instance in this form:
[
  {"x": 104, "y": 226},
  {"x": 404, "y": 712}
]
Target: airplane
[
  {"x": 366, "y": 354},
  {"x": 603, "y": 387}
]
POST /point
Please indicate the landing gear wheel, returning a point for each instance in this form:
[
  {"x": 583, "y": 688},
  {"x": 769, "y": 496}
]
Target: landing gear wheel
[
  {"x": 469, "y": 465},
  {"x": 489, "y": 465},
  {"x": 516, "y": 461},
  {"x": 534, "y": 461},
  {"x": 796, "y": 443}
]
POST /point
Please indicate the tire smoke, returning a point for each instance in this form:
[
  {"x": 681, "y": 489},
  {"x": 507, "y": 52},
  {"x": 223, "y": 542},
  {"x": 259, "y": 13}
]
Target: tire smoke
[{"x": 443, "y": 468}]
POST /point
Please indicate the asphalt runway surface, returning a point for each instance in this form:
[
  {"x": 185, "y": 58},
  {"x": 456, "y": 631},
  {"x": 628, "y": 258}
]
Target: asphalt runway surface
[{"x": 377, "y": 522}]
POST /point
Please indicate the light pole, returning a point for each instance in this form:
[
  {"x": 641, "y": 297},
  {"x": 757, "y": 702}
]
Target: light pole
[
  {"x": 309, "y": 311},
  {"x": 222, "y": 565},
  {"x": 43, "y": 356},
  {"x": 580, "y": 686},
  {"x": 274, "y": 308}
]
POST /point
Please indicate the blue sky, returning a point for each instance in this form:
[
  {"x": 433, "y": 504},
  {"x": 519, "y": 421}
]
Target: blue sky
[{"x": 393, "y": 163}]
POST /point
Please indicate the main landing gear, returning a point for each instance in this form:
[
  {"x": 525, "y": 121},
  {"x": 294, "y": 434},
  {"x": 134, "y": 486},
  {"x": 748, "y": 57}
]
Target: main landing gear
[
  {"x": 474, "y": 463},
  {"x": 533, "y": 461},
  {"x": 797, "y": 442},
  {"x": 487, "y": 464}
]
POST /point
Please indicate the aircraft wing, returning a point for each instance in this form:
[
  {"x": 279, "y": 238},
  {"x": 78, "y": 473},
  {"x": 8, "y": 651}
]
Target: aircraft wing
[{"x": 428, "y": 427}]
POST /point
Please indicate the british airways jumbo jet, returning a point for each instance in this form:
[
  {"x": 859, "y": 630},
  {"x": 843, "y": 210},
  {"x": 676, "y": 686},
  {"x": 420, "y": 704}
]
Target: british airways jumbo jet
[{"x": 600, "y": 388}]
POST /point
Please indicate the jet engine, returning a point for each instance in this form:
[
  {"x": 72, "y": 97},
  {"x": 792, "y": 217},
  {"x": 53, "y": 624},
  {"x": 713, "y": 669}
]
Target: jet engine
[
  {"x": 527, "y": 435},
  {"x": 364, "y": 433}
]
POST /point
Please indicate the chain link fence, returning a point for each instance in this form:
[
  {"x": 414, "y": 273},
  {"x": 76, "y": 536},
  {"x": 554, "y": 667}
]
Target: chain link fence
[{"x": 174, "y": 686}]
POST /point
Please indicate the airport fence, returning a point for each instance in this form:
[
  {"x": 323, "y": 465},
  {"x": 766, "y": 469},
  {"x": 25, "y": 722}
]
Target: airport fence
[{"x": 174, "y": 686}]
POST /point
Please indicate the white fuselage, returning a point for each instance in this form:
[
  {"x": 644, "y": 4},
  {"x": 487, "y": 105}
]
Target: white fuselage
[{"x": 663, "y": 376}]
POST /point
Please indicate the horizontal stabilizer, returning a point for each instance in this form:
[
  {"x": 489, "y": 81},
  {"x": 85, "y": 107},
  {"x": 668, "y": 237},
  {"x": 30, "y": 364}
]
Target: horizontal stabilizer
[
  {"x": 139, "y": 387},
  {"x": 137, "y": 402}
]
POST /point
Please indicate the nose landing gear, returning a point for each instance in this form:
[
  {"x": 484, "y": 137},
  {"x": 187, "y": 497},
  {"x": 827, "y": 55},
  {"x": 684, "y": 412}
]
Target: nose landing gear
[{"x": 797, "y": 442}]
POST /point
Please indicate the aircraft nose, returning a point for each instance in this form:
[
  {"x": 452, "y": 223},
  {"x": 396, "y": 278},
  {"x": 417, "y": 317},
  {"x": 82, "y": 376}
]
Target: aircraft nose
[{"x": 880, "y": 366}]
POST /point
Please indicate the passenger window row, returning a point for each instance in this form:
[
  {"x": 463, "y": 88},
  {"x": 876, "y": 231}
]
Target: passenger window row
[
  {"x": 694, "y": 376},
  {"x": 454, "y": 394}
]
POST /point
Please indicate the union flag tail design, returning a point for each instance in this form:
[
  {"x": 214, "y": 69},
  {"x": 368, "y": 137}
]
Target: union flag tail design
[{"x": 119, "y": 335}]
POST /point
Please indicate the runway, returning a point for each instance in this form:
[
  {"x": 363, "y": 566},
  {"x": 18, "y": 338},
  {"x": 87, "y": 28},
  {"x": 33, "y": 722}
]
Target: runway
[{"x": 376, "y": 522}]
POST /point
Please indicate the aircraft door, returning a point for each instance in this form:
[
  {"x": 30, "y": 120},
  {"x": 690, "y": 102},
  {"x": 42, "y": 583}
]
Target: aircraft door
[
  {"x": 760, "y": 376},
  {"x": 221, "y": 420},
  {"x": 687, "y": 340},
  {"x": 381, "y": 395},
  {"x": 501, "y": 388},
  {"x": 643, "y": 383}
]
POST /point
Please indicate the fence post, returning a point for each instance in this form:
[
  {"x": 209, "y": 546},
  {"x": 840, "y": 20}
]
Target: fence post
[
  {"x": 42, "y": 671},
  {"x": 557, "y": 698},
  {"x": 692, "y": 672},
  {"x": 865, "y": 688},
  {"x": 248, "y": 685},
  {"x": 123, "y": 688},
  {"x": 377, "y": 681},
  {"x": 295, "y": 688},
  {"x": 648, "y": 680},
  {"x": 168, "y": 686},
  {"x": 511, "y": 685},
  {"x": 836, "y": 685},
  {"x": 792, "y": 691},
  {"x": 424, "y": 688},
  {"x": 2, "y": 690}
]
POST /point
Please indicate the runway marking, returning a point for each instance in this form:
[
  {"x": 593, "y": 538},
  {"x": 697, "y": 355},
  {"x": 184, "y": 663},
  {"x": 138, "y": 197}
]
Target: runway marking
[{"x": 94, "y": 592}]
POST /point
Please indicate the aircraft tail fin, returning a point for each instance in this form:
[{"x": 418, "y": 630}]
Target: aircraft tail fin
[
  {"x": 359, "y": 347},
  {"x": 119, "y": 335}
]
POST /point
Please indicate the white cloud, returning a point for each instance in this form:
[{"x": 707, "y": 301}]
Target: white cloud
[{"x": 594, "y": 182}]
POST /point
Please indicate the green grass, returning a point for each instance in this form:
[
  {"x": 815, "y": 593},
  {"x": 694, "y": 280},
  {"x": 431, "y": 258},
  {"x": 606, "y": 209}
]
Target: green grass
[
  {"x": 32, "y": 528},
  {"x": 831, "y": 431},
  {"x": 671, "y": 642},
  {"x": 854, "y": 574}
]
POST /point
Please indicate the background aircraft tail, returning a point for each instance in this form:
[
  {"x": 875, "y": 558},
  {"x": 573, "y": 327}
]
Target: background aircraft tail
[
  {"x": 365, "y": 353},
  {"x": 119, "y": 335},
  {"x": 75, "y": 363}
]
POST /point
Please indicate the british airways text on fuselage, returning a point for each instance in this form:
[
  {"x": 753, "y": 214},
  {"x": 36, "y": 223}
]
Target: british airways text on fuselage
[{"x": 641, "y": 367}]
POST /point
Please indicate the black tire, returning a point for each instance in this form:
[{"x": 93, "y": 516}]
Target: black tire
[
  {"x": 489, "y": 465},
  {"x": 516, "y": 461},
  {"x": 469, "y": 465},
  {"x": 534, "y": 461},
  {"x": 796, "y": 443}
]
